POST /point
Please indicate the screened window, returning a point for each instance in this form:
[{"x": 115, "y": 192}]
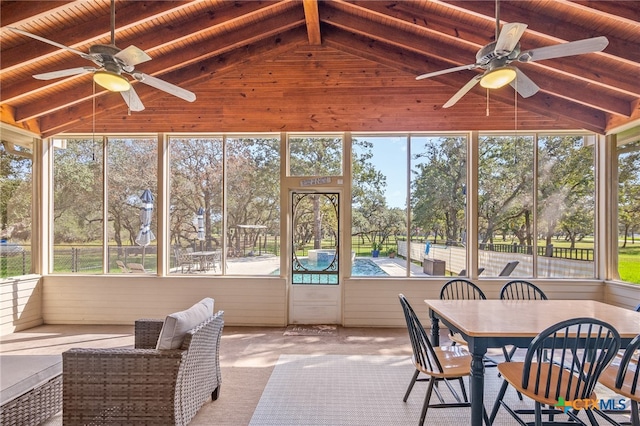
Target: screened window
[
  {"x": 506, "y": 237},
  {"x": 217, "y": 177},
  {"x": 132, "y": 176},
  {"x": 15, "y": 209},
  {"x": 438, "y": 201},
  {"x": 315, "y": 155},
  {"x": 566, "y": 207},
  {"x": 629, "y": 212},
  {"x": 78, "y": 206},
  {"x": 378, "y": 204}
]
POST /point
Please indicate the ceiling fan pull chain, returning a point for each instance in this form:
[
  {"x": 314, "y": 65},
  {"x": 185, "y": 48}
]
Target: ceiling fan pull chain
[{"x": 487, "y": 102}]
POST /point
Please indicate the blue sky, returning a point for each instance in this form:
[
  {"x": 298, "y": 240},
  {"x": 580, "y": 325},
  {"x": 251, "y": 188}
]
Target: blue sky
[{"x": 390, "y": 158}]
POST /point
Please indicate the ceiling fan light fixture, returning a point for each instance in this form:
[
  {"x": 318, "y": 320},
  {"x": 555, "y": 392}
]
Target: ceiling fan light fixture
[
  {"x": 498, "y": 78},
  {"x": 111, "y": 81}
]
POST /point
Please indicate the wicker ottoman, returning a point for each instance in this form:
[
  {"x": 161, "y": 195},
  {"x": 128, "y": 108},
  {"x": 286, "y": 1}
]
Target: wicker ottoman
[{"x": 30, "y": 388}]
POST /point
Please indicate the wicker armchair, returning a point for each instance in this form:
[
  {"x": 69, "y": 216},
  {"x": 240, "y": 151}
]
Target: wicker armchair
[{"x": 143, "y": 385}]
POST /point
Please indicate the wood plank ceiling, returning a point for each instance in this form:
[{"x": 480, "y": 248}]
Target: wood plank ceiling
[{"x": 318, "y": 65}]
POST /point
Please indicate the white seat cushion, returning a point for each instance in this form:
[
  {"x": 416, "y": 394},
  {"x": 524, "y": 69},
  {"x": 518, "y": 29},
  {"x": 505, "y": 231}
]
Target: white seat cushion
[{"x": 176, "y": 325}]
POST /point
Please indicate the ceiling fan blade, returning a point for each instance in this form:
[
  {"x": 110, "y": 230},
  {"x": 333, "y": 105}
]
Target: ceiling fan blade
[
  {"x": 53, "y": 43},
  {"x": 165, "y": 86},
  {"x": 448, "y": 70},
  {"x": 463, "y": 91},
  {"x": 132, "y": 56},
  {"x": 578, "y": 47},
  {"x": 63, "y": 73},
  {"x": 509, "y": 38},
  {"x": 132, "y": 100},
  {"x": 524, "y": 85}
]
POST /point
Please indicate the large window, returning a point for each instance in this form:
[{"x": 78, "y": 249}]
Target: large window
[
  {"x": 505, "y": 205},
  {"x": 410, "y": 205},
  {"x": 195, "y": 203},
  {"x": 78, "y": 228},
  {"x": 233, "y": 177},
  {"x": 629, "y": 212},
  {"x": 78, "y": 206},
  {"x": 566, "y": 207},
  {"x": 132, "y": 176},
  {"x": 378, "y": 205},
  {"x": 15, "y": 209},
  {"x": 438, "y": 200}
]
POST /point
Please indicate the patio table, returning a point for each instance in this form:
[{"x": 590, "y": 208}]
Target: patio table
[
  {"x": 204, "y": 257},
  {"x": 496, "y": 323}
]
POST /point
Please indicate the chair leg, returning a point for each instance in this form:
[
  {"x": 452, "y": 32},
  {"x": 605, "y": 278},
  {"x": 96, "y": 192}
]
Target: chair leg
[
  {"x": 496, "y": 405},
  {"x": 413, "y": 382},
  {"x": 427, "y": 398},
  {"x": 635, "y": 415},
  {"x": 538, "y": 414}
]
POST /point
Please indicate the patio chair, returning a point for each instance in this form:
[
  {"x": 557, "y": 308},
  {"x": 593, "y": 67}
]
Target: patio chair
[
  {"x": 460, "y": 289},
  {"x": 184, "y": 260},
  {"x": 122, "y": 266},
  {"x": 136, "y": 268},
  {"x": 441, "y": 364},
  {"x": 622, "y": 377},
  {"x": 463, "y": 272},
  {"x": 171, "y": 372},
  {"x": 569, "y": 372},
  {"x": 508, "y": 269}
]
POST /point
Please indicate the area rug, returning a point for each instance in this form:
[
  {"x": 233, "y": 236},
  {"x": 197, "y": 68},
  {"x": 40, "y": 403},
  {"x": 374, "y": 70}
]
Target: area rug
[
  {"x": 311, "y": 330},
  {"x": 360, "y": 390}
]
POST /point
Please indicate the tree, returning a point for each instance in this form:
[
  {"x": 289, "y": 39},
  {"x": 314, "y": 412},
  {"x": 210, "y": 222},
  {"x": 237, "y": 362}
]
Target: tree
[
  {"x": 15, "y": 193},
  {"x": 629, "y": 190},
  {"x": 566, "y": 187},
  {"x": 77, "y": 192},
  {"x": 505, "y": 187},
  {"x": 438, "y": 188}
]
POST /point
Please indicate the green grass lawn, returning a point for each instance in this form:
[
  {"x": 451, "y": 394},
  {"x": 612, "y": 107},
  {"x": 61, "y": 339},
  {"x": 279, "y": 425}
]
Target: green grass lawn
[{"x": 629, "y": 263}]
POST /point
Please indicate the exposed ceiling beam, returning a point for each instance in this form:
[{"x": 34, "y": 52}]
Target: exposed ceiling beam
[
  {"x": 93, "y": 32},
  {"x": 541, "y": 103},
  {"x": 312, "y": 19},
  {"x": 248, "y": 34},
  {"x": 149, "y": 42},
  {"x": 557, "y": 25},
  {"x": 566, "y": 86},
  {"x": 69, "y": 118},
  {"x": 16, "y": 13}
]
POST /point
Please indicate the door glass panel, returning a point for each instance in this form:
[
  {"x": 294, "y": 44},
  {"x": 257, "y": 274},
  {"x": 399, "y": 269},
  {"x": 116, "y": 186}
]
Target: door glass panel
[{"x": 315, "y": 233}]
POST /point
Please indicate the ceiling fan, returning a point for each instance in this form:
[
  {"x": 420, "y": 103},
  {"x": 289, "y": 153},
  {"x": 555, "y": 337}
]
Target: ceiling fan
[
  {"x": 111, "y": 63},
  {"x": 495, "y": 59}
]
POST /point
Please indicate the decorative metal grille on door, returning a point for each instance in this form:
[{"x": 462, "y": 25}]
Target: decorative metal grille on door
[{"x": 315, "y": 239}]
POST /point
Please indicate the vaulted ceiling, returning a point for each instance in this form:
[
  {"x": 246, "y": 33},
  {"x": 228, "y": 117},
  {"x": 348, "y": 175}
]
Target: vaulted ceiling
[{"x": 317, "y": 65}]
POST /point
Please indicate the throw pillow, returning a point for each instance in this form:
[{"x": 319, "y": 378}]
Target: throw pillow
[{"x": 176, "y": 325}]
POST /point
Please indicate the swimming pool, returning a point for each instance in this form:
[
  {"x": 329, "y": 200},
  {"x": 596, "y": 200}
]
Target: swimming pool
[{"x": 361, "y": 267}]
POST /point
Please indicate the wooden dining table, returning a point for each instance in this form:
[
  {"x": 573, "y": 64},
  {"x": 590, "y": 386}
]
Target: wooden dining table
[{"x": 495, "y": 323}]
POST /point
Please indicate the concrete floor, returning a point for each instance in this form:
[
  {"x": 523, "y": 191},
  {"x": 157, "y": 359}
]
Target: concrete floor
[{"x": 247, "y": 356}]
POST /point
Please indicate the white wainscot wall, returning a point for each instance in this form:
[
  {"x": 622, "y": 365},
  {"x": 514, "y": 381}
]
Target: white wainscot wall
[
  {"x": 246, "y": 301},
  {"x": 20, "y": 303}
]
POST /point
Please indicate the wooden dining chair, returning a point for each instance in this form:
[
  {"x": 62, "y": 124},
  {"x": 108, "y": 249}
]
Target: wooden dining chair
[
  {"x": 622, "y": 377},
  {"x": 519, "y": 290},
  {"x": 441, "y": 364},
  {"x": 569, "y": 373},
  {"x": 460, "y": 289}
]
